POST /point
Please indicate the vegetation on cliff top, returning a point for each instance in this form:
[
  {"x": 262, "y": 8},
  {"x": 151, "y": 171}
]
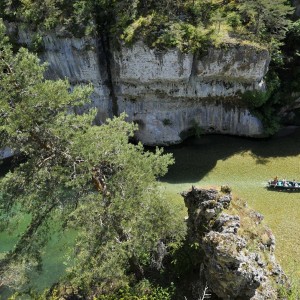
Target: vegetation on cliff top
[
  {"x": 187, "y": 24},
  {"x": 190, "y": 25}
]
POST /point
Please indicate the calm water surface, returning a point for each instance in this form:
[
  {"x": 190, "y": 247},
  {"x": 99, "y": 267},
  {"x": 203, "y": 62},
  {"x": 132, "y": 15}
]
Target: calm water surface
[{"x": 244, "y": 164}]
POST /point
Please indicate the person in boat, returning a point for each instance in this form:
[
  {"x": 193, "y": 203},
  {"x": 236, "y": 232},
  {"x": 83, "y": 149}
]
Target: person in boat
[{"x": 274, "y": 181}]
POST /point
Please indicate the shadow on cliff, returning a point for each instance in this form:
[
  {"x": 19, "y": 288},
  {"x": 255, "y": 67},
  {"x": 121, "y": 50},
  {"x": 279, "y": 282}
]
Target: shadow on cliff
[{"x": 196, "y": 157}]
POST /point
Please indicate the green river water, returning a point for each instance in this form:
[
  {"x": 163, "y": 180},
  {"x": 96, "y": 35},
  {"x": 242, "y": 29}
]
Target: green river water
[{"x": 244, "y": 164}]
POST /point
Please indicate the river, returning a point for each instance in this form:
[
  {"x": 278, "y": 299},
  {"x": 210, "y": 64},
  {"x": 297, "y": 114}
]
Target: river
[{"x": 213, "y": 160}]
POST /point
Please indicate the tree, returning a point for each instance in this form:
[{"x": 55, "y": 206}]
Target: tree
[
  {"x": 266, "y": 17},
  {"x": 79, "y": 175}
]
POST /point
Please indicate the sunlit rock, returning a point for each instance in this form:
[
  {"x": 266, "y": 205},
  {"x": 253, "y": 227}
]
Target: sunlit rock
[{"x": 236, "y": 251}]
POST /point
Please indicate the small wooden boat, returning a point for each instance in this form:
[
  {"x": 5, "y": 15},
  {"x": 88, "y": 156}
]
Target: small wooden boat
[{"x": 284, "y": 185}]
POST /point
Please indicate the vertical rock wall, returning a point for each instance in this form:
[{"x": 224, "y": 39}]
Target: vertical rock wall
[
  {"x": 169, "y": 94},
  {"x": 81, "y": 61}
]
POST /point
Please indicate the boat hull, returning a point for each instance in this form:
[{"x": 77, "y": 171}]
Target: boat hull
[{"x": 284, "y": 186}]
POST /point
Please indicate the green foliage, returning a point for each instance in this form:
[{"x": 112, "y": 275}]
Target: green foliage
[
  {"x": 289, "y": 69},
  {"x": 86, "y": 177},
  {"x": 269, "y": 117},
  {"x": 262, "y": 103},
  {"x": 290, "y": 294},
  {"x": 36, "y": 44},
  {"x": 265, "y": 18},
  {"x": 163, "y": 24},
  {"x": 190, "y": 24},
  {"x": 295, "y": 28},
  {"x": 143, "y": 291},
  {"x": 196, "y": 129},
  {"x": 136, "y": 28},
  {"x": 255, "y": 99},
  {"x": 167, "y": 122},
  {"x": 234, "y": 19}
]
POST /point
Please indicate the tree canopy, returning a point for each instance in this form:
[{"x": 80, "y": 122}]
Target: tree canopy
[
  {"x": 187, "y": 24},
  {"x": 79, "y": 175}
]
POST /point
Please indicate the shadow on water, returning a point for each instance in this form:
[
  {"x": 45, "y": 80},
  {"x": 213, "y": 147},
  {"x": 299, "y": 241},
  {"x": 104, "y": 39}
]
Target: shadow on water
[{"x": 196, "y": 157}]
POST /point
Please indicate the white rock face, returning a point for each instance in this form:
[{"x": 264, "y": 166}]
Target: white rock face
[
  {"x": 240, "y": 64},
  {"x": 140, "y": 64},
  {"x": 81, "y": 61},
  {"x": 167, "y": 122},
  {"x": 170, "y": 94},
  {"x": 6, "y": 153}
]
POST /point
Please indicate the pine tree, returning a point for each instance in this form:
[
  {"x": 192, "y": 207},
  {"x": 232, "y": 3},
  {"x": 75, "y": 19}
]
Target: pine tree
[
  {"x": 78, "y": 175},
  {"x": 266, "y": 18}
]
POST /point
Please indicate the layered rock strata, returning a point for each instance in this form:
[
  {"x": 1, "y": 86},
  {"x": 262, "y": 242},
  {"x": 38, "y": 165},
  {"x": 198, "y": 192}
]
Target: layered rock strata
[
  {"x": 239, "y": 261},
  {"x": 170, "y": 94}
]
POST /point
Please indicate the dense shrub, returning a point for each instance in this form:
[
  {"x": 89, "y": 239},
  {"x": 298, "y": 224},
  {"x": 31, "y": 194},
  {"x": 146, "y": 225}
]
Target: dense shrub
[{"x": 165, "y": 23}]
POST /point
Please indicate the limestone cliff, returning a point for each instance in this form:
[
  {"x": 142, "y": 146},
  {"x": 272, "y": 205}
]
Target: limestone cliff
[
  {"x": 168, "y": 93},
  {"x": 80, "y": 60},
  {"x": 236, "y": 250}
]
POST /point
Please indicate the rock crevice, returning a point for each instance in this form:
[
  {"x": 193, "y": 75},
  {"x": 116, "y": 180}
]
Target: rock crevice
[
  {"x": 168, "y": 93},
  {"x": 237, "y": 250}
]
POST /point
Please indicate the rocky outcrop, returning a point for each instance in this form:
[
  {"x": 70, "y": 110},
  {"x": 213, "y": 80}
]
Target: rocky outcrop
[
  {"x": 238, "y": 251},
  {"x": 170, "y": 94}
]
